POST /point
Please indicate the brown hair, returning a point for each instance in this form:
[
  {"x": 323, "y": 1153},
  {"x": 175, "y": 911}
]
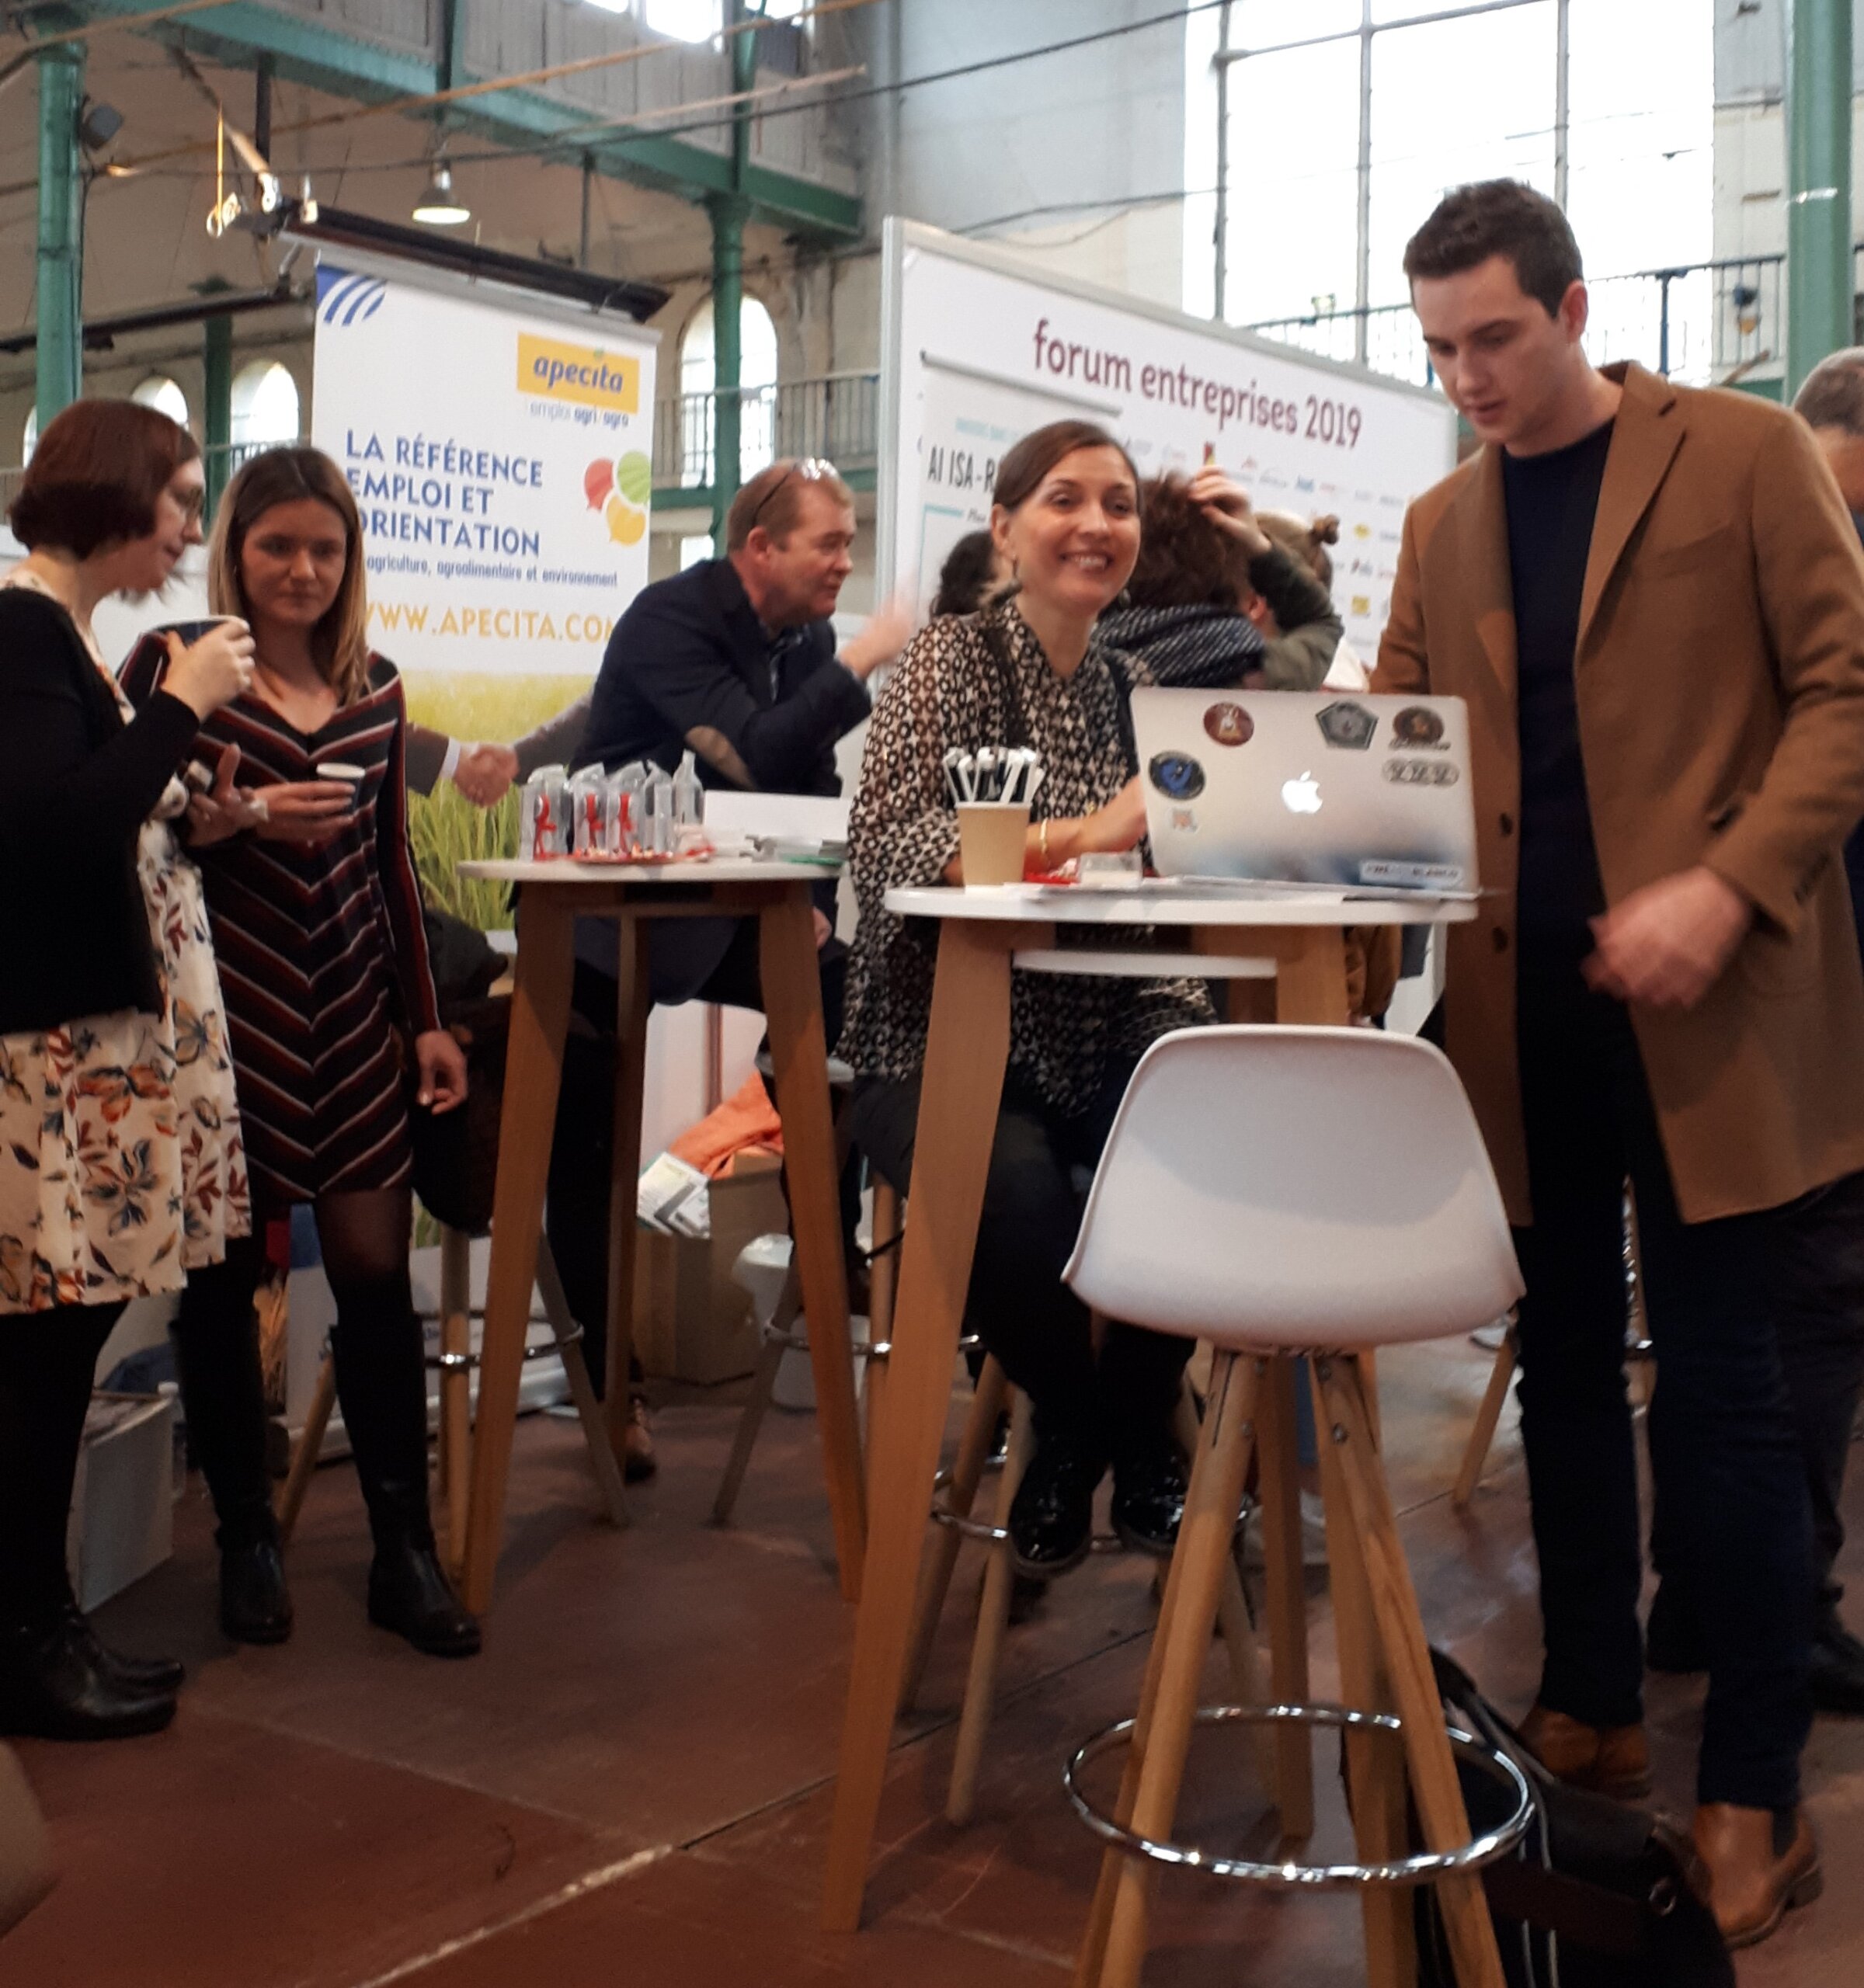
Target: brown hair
[
  {"x": 1304, "y": 544},
  {"x": 1833, "y": 395},
  {"x": 96, "y": 475},
  {"x": 772, "y": 499},
  {"x": 340, "y": 641},
  {"x": 1185, "y": 559},
  {"x": 1499, "y": 218},
  {"x": 1020, "y": 474}
]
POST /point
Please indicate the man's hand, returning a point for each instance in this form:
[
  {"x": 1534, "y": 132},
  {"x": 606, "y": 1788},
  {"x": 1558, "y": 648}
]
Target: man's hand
[
  {"x": 1667, "y": 944},
  {"x": 889, "y": 629},
  {"x": 485, "y": 773}
]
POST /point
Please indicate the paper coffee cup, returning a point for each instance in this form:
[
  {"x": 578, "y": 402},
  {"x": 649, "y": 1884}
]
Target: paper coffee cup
[
  {"x": 337, "y": 770},
  {"x": 992, "y": 837}
]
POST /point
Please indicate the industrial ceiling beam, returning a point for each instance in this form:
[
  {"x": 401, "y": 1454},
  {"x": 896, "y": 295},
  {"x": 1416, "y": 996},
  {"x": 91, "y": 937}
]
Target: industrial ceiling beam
[{"x": 344, "y": 64}]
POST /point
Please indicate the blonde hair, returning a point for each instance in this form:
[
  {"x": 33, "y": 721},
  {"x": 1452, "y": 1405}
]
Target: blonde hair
[{"x": 340, "y": 641}]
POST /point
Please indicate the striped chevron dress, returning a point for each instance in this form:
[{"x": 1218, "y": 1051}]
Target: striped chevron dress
[{"x": 322, "y": 955}]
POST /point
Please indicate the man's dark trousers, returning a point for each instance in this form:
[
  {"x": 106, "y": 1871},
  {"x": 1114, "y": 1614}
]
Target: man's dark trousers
[{"x": 1724, "y": 1445}]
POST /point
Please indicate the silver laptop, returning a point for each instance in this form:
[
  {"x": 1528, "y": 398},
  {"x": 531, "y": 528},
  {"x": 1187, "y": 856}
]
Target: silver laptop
[{"x": 1323, "y": 787}]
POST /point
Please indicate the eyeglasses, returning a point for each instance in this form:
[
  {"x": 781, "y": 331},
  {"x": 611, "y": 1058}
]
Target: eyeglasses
[{"x": 805, "y": 469}]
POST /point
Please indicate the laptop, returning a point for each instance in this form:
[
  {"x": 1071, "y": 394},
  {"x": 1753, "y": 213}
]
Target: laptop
[{"x": 1322, "y": 787}]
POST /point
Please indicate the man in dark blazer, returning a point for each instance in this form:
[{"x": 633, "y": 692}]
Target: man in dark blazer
[
  {"x": 1652, "y": 599},
  {"x": 735, "y": 660}
]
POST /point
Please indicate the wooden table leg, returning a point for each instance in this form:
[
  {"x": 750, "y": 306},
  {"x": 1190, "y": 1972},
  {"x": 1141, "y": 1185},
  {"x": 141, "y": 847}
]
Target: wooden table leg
[
  {"x": 792, "y": 1007},
  {"x": 967, "y": 1051},
  {"x": 539, "y": 1015},
  {"x": 632, "y": 1001},
  {"x": 1310, "y": 976}
]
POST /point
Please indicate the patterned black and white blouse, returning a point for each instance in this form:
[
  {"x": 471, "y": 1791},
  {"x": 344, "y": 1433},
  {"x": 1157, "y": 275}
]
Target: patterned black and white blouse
[{"x": 951, "y": 688}]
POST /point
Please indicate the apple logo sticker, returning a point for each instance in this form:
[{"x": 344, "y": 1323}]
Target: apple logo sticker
[{"x": 1301, "y": 796}]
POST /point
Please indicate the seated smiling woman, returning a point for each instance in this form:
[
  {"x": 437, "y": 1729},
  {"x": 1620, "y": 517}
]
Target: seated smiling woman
[{"x": 1029, "y": 671}]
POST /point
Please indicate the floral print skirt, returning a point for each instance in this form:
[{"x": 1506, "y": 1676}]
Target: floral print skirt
[{"x": 121, "y": 1165}]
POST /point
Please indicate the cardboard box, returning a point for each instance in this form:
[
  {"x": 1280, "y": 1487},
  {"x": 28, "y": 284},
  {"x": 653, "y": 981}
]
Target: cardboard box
[
  {"x": 122, "y": 1520},
  {"x": 691, "y": 1321}
]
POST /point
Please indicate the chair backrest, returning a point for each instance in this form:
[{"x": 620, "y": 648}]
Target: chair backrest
[{"x": 1322, "y": 1187}]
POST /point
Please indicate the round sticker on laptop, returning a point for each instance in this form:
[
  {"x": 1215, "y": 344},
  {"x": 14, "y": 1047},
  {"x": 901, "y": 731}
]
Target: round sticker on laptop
[
  {"x": 1177, "y": 776},
  {"x": 1416, "y": 726},
  {"x": 1229, "y": 724}
]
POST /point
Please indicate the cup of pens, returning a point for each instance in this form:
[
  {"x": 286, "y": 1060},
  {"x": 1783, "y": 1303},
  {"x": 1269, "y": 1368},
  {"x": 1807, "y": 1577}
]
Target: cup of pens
[{"x": 992, "y": 789}]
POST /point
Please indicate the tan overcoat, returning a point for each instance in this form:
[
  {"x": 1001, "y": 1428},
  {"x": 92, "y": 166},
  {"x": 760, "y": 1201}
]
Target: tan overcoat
[{"x": 1719, "y": 676}]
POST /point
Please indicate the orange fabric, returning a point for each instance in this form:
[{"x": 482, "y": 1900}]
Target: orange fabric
[{"x": 746, "y": 1121}]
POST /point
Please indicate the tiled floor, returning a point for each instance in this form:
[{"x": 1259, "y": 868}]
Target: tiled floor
[{"x": 632, "y": 1784}]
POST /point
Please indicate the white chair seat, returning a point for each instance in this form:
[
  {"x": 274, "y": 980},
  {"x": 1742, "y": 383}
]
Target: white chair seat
[{"x": 1295, "y": 1188}]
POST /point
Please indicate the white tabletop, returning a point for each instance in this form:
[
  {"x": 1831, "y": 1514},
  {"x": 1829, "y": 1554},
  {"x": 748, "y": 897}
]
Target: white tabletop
[
  {"x": 723, "y": 870},
  {"x": 1168, "y": 904}
]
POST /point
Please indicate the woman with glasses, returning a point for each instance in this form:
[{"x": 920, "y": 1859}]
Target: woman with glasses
[{"x": 121, "y": 1170}]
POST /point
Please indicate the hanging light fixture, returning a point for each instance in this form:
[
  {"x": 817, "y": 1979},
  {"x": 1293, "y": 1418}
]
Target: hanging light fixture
[{"x": 439, "y": 206}]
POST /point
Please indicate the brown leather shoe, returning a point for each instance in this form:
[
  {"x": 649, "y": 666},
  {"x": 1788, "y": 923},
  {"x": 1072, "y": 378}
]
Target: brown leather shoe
[
  {"x": 1755, "y": 1877},
  {"x": 1608, "y": 1760}
]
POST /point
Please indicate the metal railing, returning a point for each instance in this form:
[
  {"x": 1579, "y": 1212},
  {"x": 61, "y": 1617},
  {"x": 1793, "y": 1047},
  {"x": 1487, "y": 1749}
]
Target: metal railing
[
  {"x": 836, "y": 414},
  {"x": 1702, "y": 324}
]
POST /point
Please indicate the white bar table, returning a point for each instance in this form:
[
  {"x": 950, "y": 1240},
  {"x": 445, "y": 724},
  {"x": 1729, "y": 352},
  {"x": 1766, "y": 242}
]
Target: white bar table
[
  {"x": 636, "y": 896},
  {"x": 1300, "y": 940}
]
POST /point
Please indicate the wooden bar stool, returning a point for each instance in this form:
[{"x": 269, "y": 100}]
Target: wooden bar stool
[
  {"x": 993, "y": 1606},
  {"x": 1278, "y": 1191},
  {"x": 455, "y": 1361},
  {"x": 777, "y": 1335}
]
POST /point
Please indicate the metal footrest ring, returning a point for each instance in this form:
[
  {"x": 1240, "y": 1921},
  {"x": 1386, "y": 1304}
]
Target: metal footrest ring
[{"x": 1424, "y": 1868}]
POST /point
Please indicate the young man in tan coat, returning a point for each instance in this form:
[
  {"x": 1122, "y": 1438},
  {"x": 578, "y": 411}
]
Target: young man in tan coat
[{"x": 1652, "y": 599}]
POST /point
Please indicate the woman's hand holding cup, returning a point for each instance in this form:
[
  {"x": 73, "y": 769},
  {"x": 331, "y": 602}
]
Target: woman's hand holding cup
[{"x": 212, "y": 671}]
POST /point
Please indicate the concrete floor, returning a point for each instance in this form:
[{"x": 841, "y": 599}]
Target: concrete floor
[{"x": 632, "y": 1784}]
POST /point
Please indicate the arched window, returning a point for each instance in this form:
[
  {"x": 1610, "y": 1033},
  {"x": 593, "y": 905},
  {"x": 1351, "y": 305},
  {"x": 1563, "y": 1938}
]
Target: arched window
[
  {"x": 265, "y": 407},
  {"x": 161, "y": 393},
  {"x": 757, "y": 389}
]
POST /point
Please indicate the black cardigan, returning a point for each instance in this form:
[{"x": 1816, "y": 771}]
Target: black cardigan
[{"x": 76, "y": 785}]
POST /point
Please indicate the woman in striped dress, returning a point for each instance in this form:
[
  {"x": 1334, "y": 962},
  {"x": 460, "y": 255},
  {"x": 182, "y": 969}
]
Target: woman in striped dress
[{"x": 316, "y": 922}]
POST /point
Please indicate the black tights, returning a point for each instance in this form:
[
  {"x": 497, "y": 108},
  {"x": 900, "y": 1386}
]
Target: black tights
[
  {"x": 47, "y": 1362},
  {"x": 380, "y": 1370},
  {"x": 1119, "y": 1401}
]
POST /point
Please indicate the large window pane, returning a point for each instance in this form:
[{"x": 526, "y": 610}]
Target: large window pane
[
  {"x": 1640, "y": 182},
  {"x": 1454, "y": 101},
  {"x": 1294, "y": 150},
  {"x": 1261, "y": 23}
]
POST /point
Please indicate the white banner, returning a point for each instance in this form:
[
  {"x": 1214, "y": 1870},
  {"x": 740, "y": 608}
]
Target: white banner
[
  {"x": 979, "y": 348},
  {"x": 499, "y": 453}
]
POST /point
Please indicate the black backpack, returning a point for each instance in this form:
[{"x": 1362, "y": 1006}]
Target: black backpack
[{"x": 1597, "y": 1894}]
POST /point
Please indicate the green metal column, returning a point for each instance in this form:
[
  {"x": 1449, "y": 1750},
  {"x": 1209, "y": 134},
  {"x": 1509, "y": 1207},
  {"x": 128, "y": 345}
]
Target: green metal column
[
  {"x": 729, "y": 212},
  {"x": 216, "y": 366},
  {"x": 1819, "y": 280},
  {"x": 60, "y": 280}
]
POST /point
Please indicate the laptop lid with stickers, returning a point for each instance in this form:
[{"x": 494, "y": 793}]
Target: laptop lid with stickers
[{"x": 1319, "y": 788}]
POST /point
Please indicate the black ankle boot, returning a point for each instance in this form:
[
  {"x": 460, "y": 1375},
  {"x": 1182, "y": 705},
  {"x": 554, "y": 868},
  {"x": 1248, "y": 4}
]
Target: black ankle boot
[
  {"x": 1051, "y": 1515},
  {"x": 409, "y": 1593},
  {"x": 255, "y": 1602},
  {"x": 52, "y": 1687},
  {"x": 141, "y": 1674}
]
